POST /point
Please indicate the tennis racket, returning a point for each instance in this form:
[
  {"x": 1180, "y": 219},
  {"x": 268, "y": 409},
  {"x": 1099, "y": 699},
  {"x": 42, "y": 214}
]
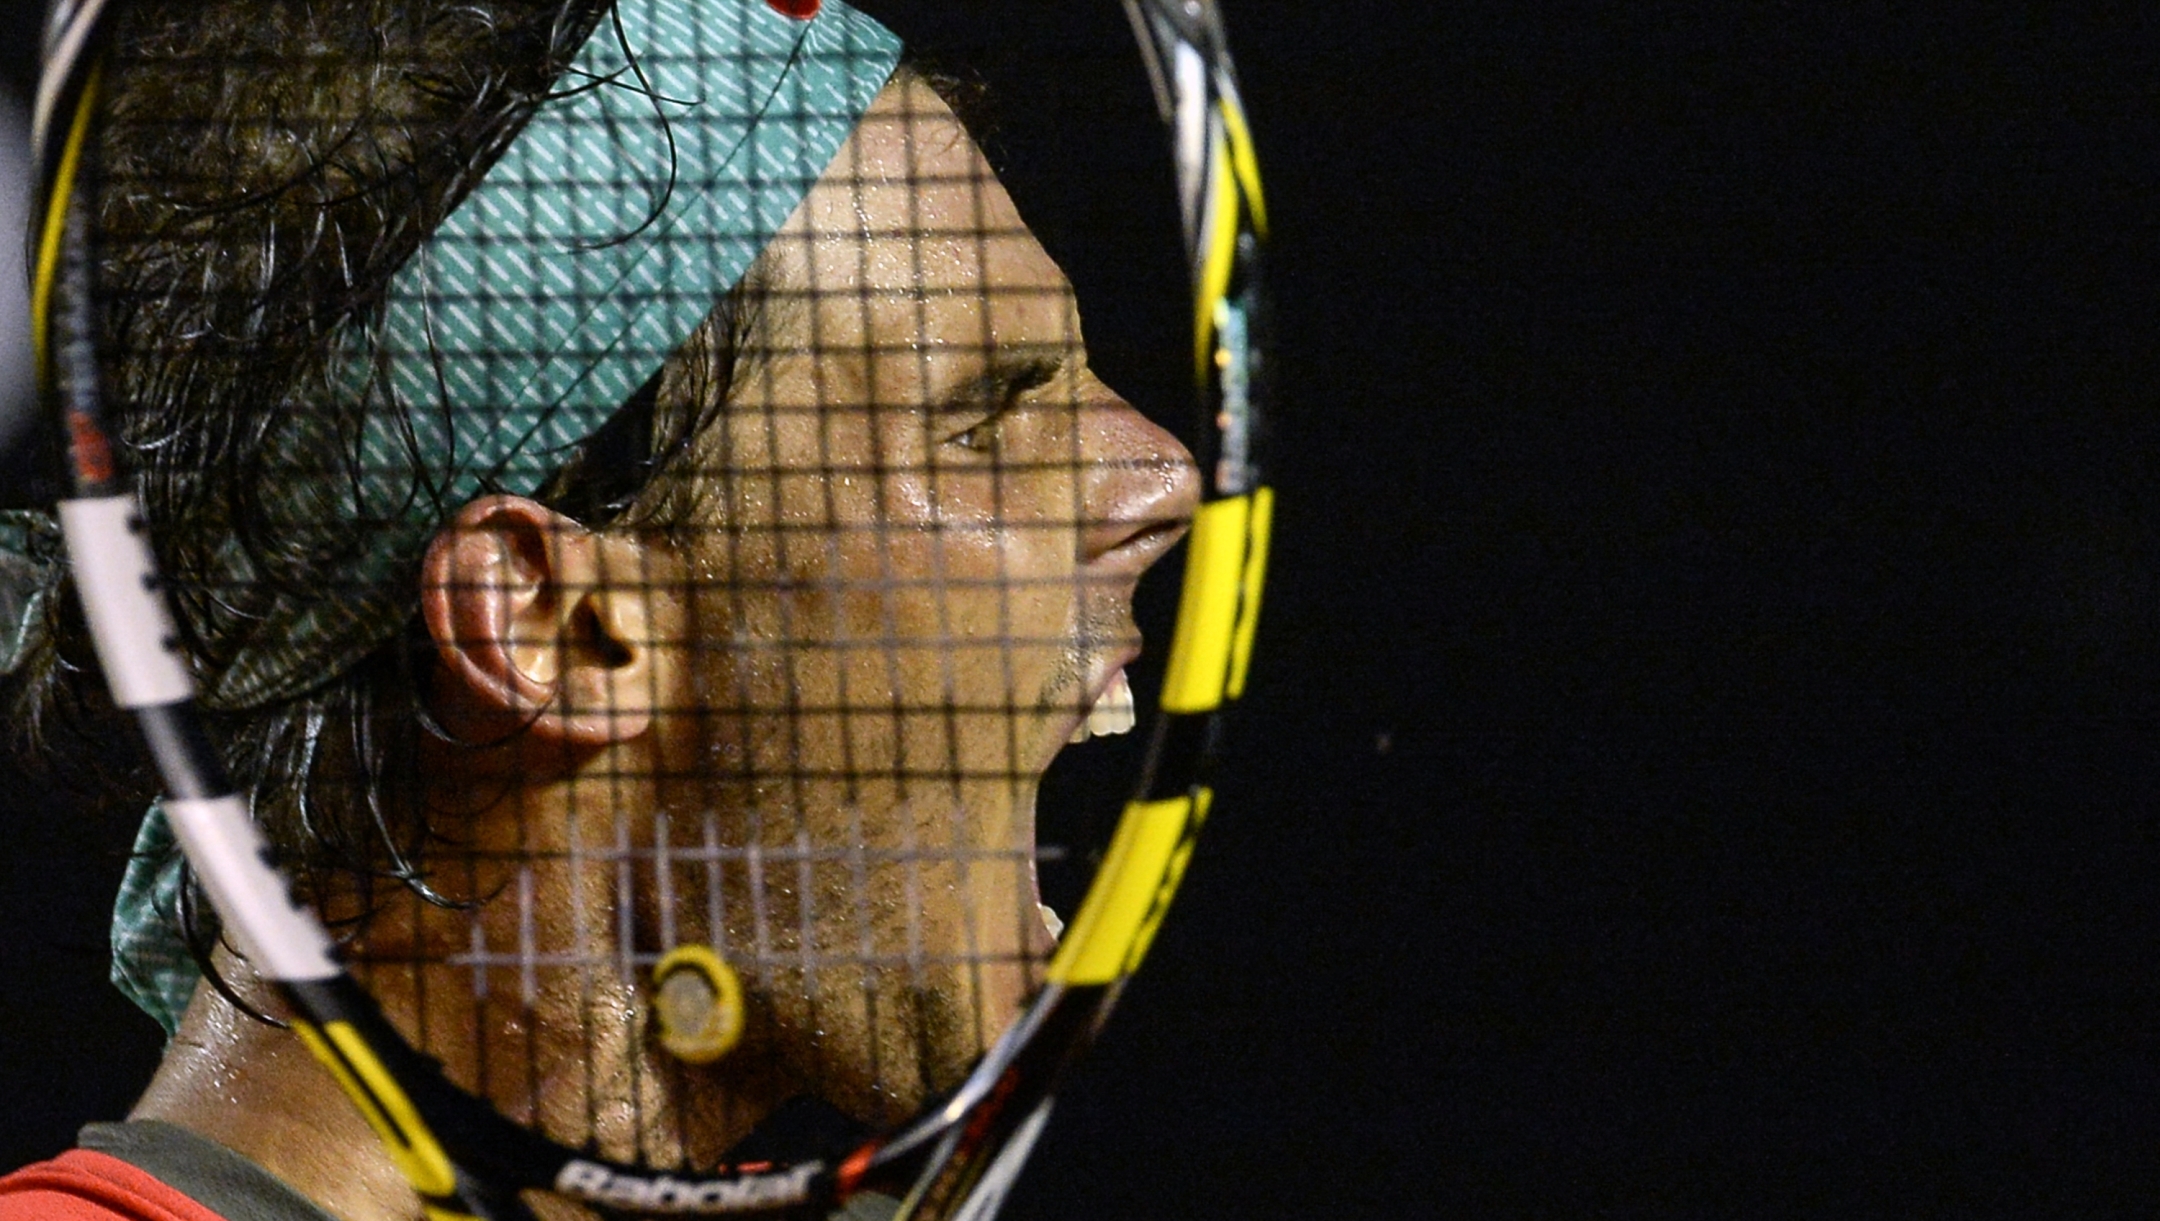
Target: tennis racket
[{"x": 695, "y": 779}]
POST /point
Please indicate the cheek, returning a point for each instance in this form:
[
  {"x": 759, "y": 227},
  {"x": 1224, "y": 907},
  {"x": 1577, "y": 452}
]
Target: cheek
[{"x": 874, "y": 610}]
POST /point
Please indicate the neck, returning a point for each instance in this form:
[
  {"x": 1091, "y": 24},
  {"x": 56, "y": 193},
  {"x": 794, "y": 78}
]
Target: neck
[{"x": 254, "y": 1089}]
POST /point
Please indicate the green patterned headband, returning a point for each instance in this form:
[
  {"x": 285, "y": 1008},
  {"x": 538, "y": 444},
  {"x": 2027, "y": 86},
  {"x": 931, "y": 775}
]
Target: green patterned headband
[
  {"x": 618, "y": 219},
  {"x": 626, "y": 209}
]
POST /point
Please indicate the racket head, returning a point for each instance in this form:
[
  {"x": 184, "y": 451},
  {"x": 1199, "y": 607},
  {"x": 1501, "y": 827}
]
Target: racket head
[{"x": 748, "y": 739}]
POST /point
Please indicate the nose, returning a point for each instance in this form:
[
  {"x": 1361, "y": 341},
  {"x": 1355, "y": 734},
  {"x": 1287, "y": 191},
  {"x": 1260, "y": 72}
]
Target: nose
[{"x": 1141, "y": 486}]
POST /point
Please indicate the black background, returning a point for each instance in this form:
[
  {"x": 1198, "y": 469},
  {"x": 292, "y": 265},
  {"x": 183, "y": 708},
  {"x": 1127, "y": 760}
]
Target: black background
[{"x": 1703, "y": 743}]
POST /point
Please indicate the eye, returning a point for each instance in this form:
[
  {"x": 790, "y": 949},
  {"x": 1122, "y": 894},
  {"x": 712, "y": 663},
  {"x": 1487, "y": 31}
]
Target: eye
[
  {"x": 983, "y": 437},
  {"x": 987, "y": 402},
  {"x": 976, "y": 430}
]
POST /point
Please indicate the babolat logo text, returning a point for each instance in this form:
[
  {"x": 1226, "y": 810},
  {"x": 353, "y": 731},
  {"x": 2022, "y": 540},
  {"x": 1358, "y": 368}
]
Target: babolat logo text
[{"x": 600, "y": 1185}]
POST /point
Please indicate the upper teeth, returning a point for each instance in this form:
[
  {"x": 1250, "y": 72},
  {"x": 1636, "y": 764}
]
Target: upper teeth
[{"x": 1113, "y": 713}]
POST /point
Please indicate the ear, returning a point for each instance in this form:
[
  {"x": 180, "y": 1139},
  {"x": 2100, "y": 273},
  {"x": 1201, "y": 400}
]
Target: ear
[{"x": 539, "y": 624}]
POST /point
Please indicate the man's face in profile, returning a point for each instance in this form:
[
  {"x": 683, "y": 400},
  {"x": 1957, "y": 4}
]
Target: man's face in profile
[
  {"x": 936, "y": 516},
  {"x": 907, "y": 582}
]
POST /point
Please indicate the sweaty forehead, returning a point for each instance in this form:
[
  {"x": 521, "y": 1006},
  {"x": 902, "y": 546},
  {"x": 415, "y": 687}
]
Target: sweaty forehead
[{"x": 911, "y": 210}]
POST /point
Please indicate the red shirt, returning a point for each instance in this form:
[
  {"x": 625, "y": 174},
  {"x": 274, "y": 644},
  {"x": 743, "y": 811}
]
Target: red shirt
[{"x": 80, "y": 1185}]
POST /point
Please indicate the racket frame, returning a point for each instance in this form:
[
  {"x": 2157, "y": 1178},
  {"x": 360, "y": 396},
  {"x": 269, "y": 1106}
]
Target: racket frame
[{"x": 466, "y": 1160}]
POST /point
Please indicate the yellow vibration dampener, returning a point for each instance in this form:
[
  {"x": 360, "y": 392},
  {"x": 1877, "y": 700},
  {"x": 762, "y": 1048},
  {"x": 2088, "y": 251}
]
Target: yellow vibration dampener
[{"x": 698, "y": 1003}]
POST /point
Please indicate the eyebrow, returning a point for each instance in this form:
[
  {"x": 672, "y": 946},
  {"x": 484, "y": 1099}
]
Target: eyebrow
[{"x": 1008, "y": 372}]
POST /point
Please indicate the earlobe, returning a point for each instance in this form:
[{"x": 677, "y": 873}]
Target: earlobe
[{"x": 535, "y": 630}]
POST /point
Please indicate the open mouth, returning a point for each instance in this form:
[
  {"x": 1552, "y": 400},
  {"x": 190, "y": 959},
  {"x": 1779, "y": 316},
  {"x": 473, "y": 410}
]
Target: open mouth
[{"x": 1112, "y": 713}]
